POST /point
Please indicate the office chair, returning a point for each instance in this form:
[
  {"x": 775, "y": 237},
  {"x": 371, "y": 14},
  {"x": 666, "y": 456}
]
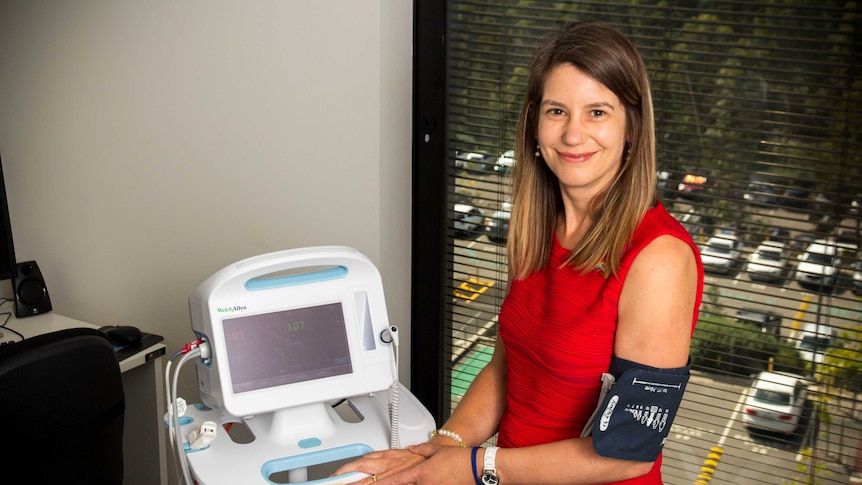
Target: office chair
[{"x": 62, "y": 406}]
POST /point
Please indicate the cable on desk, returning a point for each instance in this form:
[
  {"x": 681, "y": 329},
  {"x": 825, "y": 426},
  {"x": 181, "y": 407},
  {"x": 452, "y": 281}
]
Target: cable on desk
[
  {"x": 181, "y": 454},
  {"x": 189, "y": 351},
  {"x": 186, "y": 349},
  {"x": 5, "y": 322}
]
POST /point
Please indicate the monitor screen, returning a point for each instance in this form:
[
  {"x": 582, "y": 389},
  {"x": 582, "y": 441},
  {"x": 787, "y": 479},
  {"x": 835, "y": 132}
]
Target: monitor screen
[
  {"x": 286, "y": 347},
  {"x": 7, "y": 248}
]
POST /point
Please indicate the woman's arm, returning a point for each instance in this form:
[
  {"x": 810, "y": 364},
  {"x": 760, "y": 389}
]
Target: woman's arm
[
  {"x": 657, "y": 305},
  {"x": 478, "y": 414},
  {"x": 654, "y": 328}
]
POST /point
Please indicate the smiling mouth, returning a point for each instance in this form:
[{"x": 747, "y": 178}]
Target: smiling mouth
[{"x": 576, "y": 157}]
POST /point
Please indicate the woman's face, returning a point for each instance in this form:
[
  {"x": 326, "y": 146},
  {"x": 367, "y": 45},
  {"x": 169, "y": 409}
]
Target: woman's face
[{"x": 581, "y": 131}]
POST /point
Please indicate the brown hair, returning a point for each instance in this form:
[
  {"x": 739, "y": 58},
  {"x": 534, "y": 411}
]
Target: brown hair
[{"x": 606, "y": 55}]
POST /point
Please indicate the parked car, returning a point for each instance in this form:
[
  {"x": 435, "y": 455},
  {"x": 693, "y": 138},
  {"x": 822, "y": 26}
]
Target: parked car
[
  {"x": 779, "y": 234},
  {"x": 857, "y": 276},
  {"x": 854, "y": 209},
  {"x": 692, "y": 185},
  {"x": 468, "y": 221},
  {"x": 664, "y": 184},
  {"x": 847, "y": 239},
  {"x": 691, "y": 222},
  {"x": 473, "y": 161},
  {"x": 813, "y": 340},
  {"x": 778, "y": 189},
  {"x": 720, "y": 252},
  {"x": 768, "y": 321},
  {"x": 818, "y": 265},
  {"x": 795, "y": 197},
  {"x": 802, "y": 241},
  {"x": 767, "y": 262},
  {"x": 775, "y": 402},
  {"x": 760, "y": 193},
  {"x": 497, "y": 225},
  {"x": 505, "y": 162}
]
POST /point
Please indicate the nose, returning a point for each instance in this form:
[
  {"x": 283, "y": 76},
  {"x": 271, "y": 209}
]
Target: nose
[{"x": 574, "y": 133}]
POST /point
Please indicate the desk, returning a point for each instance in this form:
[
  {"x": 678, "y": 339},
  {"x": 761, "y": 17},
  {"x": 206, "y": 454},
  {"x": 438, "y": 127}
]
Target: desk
[{"x": 144, "y": 453}]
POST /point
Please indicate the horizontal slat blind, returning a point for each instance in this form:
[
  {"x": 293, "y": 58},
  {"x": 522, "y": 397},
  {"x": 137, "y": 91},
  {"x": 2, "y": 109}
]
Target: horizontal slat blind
[{"x": 759, "y": 127}]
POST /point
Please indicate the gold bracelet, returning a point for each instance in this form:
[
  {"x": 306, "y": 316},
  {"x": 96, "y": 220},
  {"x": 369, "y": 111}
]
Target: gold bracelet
[{"x": 449, "y": 434}]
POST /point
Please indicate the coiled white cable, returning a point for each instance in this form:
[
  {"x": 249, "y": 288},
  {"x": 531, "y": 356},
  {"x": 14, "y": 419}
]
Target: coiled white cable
[{"x": 394, "y": 435}]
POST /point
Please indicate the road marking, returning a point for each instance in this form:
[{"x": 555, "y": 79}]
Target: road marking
[
  {"x": 736, "y": 411},
  {"x": 464, "y": 373},
  {"x": 714, "y": 456},
  {"x": 709, "y": 465},
  {"x": 471, "y": 292},
  {"x": 800, "y": 313}
]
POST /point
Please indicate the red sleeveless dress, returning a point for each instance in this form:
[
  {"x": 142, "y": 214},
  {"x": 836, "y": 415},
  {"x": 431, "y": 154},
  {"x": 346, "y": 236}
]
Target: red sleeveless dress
[{"x": 558, "y": 328}]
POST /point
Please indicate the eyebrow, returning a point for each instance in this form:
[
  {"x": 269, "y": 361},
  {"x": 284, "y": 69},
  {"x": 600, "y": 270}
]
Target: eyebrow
[{"x": 600, "y": 104}]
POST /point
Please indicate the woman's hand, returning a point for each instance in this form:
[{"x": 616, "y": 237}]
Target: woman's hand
[
  {"x": 381, "y": 463},
  {"x": 437, "y": 465}
]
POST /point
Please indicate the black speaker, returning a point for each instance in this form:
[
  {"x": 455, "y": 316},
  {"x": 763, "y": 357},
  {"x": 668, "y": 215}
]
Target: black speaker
[{"x": 31, "y": 294}]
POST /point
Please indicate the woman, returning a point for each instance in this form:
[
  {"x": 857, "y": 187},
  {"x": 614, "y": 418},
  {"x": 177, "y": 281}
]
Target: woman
[{"x": 604, "y": 280}]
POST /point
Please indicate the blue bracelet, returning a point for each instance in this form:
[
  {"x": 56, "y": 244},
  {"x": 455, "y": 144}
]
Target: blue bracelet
[{"x": 473, "y": 460}]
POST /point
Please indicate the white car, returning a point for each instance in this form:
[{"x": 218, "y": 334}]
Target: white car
[
  {"x": 497, "y": 226},
  {"x": 767, "y": 262},
  {"x": 468, "y": 221},
  {"x": 818, "y": 265},
  {"x": 472, "y": 161},
  {"x": 505, "y": 162},
  {"x": 813, "y": 340},
  {"x": 775, "y": 402},
  {"x": 720, "y": 252}
]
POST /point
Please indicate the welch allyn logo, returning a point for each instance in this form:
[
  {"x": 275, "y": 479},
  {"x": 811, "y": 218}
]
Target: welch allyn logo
[{"x": 231, "y": 309}]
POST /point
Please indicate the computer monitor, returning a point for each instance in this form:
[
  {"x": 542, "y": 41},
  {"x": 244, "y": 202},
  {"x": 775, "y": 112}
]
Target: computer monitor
[
  {"x": 8, "y": 263},
  {"x": 292, "y": 331}
]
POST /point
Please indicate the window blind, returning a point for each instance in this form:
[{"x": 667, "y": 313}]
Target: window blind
[{"x": 759, "y": 129}]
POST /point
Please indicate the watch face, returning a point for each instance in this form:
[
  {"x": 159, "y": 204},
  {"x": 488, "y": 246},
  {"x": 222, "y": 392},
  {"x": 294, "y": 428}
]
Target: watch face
[{"x": 488, "y": 479}]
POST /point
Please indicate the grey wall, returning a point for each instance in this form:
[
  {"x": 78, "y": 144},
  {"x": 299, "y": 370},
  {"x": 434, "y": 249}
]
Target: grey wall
[{"x": 147, "y": 145}]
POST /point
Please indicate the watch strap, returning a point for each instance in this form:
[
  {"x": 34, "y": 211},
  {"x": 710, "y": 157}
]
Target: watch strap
[{"x": 489, "y": 469}]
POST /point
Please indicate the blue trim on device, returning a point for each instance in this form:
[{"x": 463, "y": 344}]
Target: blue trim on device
[
  {"x": 315, "y": 458},
  {"x": 309, "y": 443},
  {"x": 334, "y": 273},
  {"x": 184, "y": 420}
]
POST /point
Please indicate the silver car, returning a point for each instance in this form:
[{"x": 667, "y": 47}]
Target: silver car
[{"x": 775, "y": 402}]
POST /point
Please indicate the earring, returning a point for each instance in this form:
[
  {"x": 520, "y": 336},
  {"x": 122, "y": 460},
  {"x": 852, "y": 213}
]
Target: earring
[{"x": 538, "y": 154}]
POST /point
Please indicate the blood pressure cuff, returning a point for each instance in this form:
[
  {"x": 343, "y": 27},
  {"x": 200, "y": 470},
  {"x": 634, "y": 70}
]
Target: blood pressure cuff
[{"x": 634, "y": 418}]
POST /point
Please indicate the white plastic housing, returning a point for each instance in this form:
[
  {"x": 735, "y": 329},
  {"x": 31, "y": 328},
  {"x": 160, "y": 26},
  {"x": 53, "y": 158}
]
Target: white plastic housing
[{"x": 299, "y": 279}]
